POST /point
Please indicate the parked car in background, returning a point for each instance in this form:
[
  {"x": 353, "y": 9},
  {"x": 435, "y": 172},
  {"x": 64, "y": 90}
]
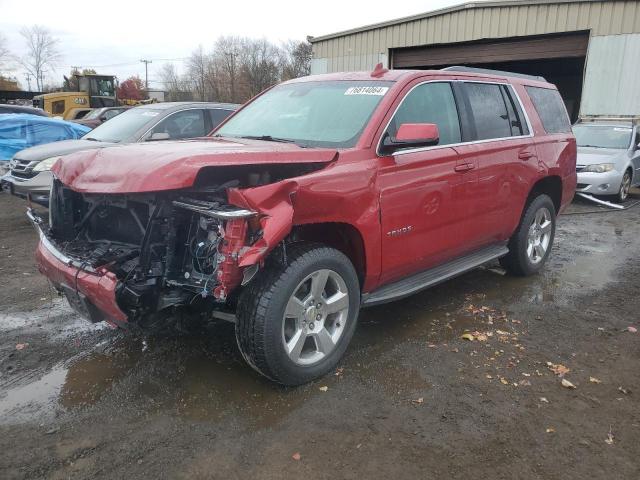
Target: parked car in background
[
  {"x": 608, "y": 156},
  {"x": 22, "y": 130},
  {"x": 77, "y": 113},
  {"x": 98, "y": 116},
  {"x": 30, "y": 169},
  {"x": 322, "y": 195},
  {"x": 5, "y": 108}
]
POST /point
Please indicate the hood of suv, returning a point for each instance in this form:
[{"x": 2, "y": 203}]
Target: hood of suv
[
  {"x": 157, "y": 166},
  {"x": 64, "y": 147},
  {"x": 594, "y": 156}
]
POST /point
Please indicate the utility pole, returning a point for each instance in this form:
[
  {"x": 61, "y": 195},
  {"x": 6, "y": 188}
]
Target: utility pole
[
  {"x": 146, "y": 74},
  {"x": 28, "y": 77}
]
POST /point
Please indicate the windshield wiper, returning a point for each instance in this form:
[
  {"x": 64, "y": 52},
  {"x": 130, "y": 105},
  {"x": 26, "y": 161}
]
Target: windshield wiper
[
  {"x": 268, "y": 138},
  {"x": 92, "y": 139}
]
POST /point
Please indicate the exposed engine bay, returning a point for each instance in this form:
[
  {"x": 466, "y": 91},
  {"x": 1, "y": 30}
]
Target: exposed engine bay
[{"x": 171, "y": 248}]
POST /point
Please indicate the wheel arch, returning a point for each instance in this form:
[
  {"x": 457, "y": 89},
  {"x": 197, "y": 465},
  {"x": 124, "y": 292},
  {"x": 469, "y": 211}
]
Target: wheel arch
[
  {"x": 344, "y": 237},
  {"x": 551, "y": 186}
]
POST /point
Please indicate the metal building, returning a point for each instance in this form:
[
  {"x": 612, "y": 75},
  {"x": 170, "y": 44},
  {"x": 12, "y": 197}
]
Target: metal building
[{"x": 589, "y": 48}]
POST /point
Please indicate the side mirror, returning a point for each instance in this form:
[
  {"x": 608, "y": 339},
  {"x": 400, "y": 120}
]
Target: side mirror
[
  {"x": 103, "y": 118},
  {"x": 412, "y": 135},
  {"x": 158, "y": 136}
]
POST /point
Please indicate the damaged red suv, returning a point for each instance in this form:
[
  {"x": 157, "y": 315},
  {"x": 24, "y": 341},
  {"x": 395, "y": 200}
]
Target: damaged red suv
[{"x": 322, "y": 195}]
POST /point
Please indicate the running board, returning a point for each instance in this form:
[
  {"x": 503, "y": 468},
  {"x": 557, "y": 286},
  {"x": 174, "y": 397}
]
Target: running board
[{"x": 428, "y": 278}]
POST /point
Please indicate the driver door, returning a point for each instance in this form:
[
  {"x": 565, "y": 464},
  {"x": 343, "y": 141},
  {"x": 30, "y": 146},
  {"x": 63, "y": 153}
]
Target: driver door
[{"x": 424, "y": 192}]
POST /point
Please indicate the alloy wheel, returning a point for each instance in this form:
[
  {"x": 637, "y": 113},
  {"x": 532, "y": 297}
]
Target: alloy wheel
[
  {"x": 539, "y": 236},
  {"x": 315, "y": 317}
]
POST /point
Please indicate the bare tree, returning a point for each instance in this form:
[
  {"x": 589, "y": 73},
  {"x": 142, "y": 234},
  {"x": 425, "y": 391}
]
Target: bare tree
[
  {"x": 5, "y": 55},
  {"x": 227, "y": 51},
  {"x": 42, "y": 52},
  {"x": 177, "y": 88},
  {"x": 260, "y": 64},
  {"x": 296, "y": 61},
  {"x": 197, "y": 66}
]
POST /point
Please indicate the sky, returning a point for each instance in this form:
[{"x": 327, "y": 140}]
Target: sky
[{"x": 113, "y": 36}]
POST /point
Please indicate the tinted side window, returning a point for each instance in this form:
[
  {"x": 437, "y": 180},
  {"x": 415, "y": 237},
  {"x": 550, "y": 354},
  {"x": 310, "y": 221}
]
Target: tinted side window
[
  {"x": 489, "y": 110},
  {"x": 111, "y": 113},
  {"x": 551, "y": 110},
  {"x": 516, "y": 117},
  {"x": 218, "y": 115},
  {"x": 185, "y": 124},
  {"x": 430, "y": 103}
]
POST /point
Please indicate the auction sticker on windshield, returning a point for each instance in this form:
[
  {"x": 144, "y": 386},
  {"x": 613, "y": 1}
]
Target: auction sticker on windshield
[{"x": 366, "y": 91}]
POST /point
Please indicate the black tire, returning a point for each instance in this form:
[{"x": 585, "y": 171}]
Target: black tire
[
  {"x": 625, "y": 185},
  {"x": 517, "y": 261},
  {"x": 261, "y": 307}
]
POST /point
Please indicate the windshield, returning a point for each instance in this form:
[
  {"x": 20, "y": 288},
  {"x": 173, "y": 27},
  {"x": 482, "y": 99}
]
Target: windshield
[
  {"x": 602, "y": 136},
  {"x": 319, "y": 114},
  {"x": 123, "y": 126}
]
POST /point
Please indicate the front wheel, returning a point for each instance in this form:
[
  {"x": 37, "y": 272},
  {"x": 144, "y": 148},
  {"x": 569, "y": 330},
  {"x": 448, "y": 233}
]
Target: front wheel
[
  {"x": 625, "y": 186},
  {"x": 295, "y": 320},
  {"x": 530, "y": 245}
]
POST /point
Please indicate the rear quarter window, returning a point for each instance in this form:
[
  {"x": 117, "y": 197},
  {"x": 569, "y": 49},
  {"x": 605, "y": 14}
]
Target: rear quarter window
[{"x": 551, "y": 110}]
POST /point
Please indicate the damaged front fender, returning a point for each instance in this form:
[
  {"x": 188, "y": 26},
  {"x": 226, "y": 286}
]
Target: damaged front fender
[{"x": 274, "y": 205}]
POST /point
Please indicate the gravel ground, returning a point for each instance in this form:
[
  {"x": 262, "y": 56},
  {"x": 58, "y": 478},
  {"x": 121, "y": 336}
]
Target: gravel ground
[{"x": 412, "y": 398}]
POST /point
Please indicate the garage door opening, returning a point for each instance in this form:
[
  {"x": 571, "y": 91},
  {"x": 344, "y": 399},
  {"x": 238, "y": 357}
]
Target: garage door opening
[{"x": 558, "y": 58}]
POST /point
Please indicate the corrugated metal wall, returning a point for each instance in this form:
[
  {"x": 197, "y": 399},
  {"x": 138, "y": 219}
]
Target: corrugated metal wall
[
  {"x": 362, "y": 50},
  {"x": 612, "y": 77}
]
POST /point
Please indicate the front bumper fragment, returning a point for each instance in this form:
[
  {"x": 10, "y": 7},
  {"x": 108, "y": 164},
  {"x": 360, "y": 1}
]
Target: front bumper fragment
[{"x": 92, "y": 293}]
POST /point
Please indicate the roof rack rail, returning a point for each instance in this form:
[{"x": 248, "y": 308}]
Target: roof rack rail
[{"x": 487, "y": 71}]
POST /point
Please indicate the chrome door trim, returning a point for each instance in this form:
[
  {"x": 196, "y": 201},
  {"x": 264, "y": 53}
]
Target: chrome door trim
[{"x": 435, "y": 147}]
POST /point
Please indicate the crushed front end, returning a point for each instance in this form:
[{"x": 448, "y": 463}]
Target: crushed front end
[{"x": 124, "y": 257}]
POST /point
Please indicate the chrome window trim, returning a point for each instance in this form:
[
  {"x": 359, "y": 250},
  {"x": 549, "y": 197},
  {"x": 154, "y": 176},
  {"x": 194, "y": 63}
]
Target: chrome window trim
[{"x": 435, "y": 147}]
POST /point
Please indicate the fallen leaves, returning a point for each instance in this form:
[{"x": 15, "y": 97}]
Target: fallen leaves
[
  {"x": 567, "y": 384},
  {"x": 324, "y": 388},
  {"x": 595, "y": 380},
  {"x": 632, "y": 329},
  {"x": 479, "y": 336},
  {"x": 626, "y": 391},
  {"x": 610, "y": 437},
  {"x": 558, "y": 369},
  {"x": 418, "y": 401},
  {"x": 296, "y": 456},
  {"x": 544, "y": 400},
  {"x": 21, "y": 346},
  {"x": 551, "y": 430},
  {"x": 504, "y": 381}
]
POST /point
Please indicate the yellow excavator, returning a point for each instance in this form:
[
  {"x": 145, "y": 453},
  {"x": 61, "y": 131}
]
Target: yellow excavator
[{"x": 95, "y": 91}]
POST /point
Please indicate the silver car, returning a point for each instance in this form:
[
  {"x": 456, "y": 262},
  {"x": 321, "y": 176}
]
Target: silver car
[
  {"x": 608, "y": 156},
  {"x": 30, "y": 174}
]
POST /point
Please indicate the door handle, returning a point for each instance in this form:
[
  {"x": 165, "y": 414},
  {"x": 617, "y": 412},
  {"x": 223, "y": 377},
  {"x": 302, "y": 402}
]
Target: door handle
[
  {"x": 526, "y": 155},
  {"x": 464, "y": 167}
]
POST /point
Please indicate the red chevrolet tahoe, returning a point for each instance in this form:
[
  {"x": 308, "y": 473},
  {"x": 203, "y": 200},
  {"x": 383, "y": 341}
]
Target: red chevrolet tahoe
[{"x": 320, "y": 196}]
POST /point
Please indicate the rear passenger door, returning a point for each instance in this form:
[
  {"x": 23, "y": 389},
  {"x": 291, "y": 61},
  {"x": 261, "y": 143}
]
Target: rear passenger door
[{"x": 502, "y": 148}]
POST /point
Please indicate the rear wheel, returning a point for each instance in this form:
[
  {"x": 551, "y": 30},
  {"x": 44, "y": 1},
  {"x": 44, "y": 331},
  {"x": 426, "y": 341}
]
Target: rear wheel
[
  {"x": 295, "y": 320},
  {"x": 530, "y": 245}
]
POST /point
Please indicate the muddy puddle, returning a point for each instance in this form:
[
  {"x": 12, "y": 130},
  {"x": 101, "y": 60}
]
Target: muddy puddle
[{"x": 203, "y": 377}]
